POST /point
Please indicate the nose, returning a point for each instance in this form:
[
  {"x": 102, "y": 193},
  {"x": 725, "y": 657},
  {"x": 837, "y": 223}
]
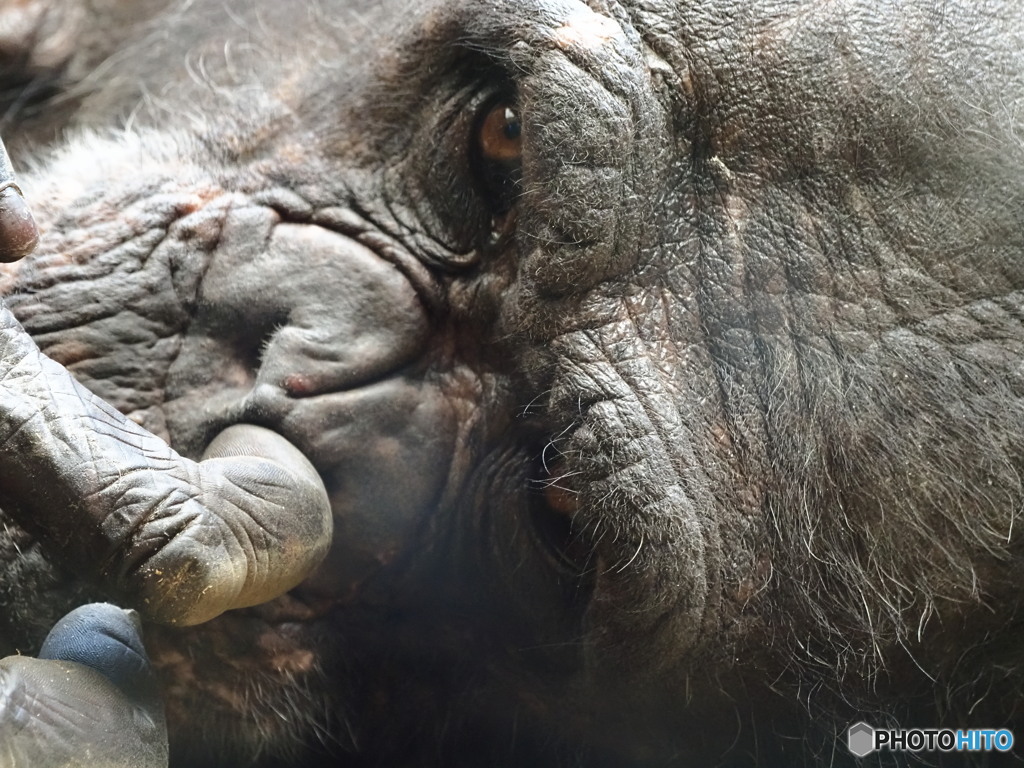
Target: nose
[
  {"x": 286, "y": 311},
  {"x": 306, "y": 332}
]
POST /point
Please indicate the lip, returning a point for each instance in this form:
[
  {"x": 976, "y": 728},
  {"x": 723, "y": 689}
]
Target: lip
[
  {"x": 214, "y": 665},
  {"x": 296, "y": 606},
  {"x": 277, "y": 637},
  {"x": 245, "y": 684}
]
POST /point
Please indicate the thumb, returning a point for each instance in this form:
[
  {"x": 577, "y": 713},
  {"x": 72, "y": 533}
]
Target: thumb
[{"x": 107, "y": 639}]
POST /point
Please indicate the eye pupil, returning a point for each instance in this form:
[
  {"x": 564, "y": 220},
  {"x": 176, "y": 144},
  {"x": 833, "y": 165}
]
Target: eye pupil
[{"x": 513, "y": 128}]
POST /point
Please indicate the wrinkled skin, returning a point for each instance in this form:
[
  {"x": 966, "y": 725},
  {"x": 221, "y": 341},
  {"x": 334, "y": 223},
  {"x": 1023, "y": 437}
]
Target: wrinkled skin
[
  {"x": 92, "y": 668},
  {"x": 694, "y": 444}
]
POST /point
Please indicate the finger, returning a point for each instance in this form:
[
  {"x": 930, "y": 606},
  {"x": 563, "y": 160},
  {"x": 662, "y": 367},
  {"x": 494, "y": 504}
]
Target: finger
[
  {"x": 109, "y": 640},
  {"x": 89, "y": 703},
  {"x": 18, "y": 232},
  {"x": 182, "y": 541}
]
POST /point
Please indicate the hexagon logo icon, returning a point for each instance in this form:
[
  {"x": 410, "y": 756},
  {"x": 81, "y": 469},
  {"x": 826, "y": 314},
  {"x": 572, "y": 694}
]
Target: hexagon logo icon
[{"x": 861, "y": 739}]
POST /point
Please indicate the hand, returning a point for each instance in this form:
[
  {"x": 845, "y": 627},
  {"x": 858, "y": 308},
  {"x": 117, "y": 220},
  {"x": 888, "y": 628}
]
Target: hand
[
  {"x": 90, "y": 699},
  {"x": 180, "y": 540}
]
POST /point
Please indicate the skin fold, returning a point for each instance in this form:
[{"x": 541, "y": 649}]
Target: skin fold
[{"x": 552, "y": 383}]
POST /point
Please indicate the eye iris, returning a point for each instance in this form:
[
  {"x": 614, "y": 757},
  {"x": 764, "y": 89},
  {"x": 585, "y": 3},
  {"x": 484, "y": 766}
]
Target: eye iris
[{"x": 501, "y": 135}]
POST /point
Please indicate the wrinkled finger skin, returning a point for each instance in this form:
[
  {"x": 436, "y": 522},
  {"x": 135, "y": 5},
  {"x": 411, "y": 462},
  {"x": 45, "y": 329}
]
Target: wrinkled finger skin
[
  {"x": 209, "y": 538},
  {"x": 90, "y": 700},
  {"x": 183, "y": 540},
  {"x": 685, "y": 432}
]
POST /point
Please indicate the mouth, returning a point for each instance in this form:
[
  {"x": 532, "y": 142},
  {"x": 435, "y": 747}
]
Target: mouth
[
  {"x": 252, "y": 684},
  {"x": 275, "y": 639}
]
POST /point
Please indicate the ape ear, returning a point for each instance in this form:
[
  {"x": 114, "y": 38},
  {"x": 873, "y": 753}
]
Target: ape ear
[
  {"x": 107, "y": 639},
  {"x": 36, "y": 37},
  {"x": 48, "y": 45},
  {"x": 40, "y": 37}
]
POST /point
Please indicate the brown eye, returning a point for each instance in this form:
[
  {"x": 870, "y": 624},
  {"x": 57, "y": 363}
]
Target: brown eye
[
  {"x": 498, "y": 152},
  {"x": 501, "y": 135}
]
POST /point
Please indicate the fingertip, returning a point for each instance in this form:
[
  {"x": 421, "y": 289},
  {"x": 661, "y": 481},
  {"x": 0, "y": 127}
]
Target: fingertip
[
  {"x": 18, "y": 231},
  {"x": 100, "y": 617},
  {"x": 106, "y": 638}
]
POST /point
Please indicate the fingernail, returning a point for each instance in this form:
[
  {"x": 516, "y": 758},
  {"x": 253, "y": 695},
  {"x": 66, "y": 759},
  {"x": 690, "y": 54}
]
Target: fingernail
[{"x": 18, "y": 231}]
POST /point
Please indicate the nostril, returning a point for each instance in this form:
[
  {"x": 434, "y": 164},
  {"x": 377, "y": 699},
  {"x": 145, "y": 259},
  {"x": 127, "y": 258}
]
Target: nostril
[
  {"x": 211, "y": 381},
  {"x": 251, "y": 340}
]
